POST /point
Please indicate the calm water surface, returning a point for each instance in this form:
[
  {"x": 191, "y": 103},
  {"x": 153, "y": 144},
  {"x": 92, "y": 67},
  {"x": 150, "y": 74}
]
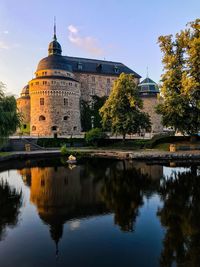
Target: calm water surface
[{"x": 99, "y": 213}]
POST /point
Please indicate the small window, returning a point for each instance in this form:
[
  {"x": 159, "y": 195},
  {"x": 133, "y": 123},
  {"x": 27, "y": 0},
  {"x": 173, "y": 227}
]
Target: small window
[
  {"x": 42, "y": 118},
  {"x": 42, "y": 183},
  {"x": 75, "y": 128},
  {"x": 80, "y": 66},
  {"x": 116, "y": 69},
  {"x": 93, "y": 79},
  {"x": 65, "y": 118},
  {"x": 66, "y": 102},
  {"x": 41, "y": 101},
  {"x": 33, "y": 128},
  {"x": 108, "y": 80},
  {"x": 44, "y": 82},
  {"x": 93, "y": 91},
  {"x": 54, "y": 128},
  {"x": 24, "y": 126}
]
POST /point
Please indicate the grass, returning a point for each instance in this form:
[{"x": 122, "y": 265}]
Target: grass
[{"x": 3, "y": 154}]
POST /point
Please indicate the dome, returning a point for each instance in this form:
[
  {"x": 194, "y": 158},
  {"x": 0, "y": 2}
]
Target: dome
[
  {"x": 148, "y": 86},
  {"x": 25, "y": 91},
  {"x": 54, "y": 62},
  {"x": 54, "y": 48}
]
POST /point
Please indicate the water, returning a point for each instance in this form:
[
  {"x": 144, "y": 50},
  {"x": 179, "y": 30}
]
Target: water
[{"x": 99, "y": 213}]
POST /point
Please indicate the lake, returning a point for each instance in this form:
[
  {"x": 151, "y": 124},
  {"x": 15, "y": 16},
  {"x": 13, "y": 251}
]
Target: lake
[{"x": 99, "y": 212}]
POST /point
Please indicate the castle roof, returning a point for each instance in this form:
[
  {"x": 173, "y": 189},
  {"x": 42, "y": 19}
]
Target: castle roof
[
  {"x": 56, "y": 62},
  {"x": 96, "y": 66},
  {"x": 148, "y": 87},
  {"x": 25, "y": 92}
]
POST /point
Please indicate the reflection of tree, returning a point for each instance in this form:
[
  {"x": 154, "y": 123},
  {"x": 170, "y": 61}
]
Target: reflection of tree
[
  {"x": 180, "y": 215},
  {"x": 123, "y": 193},
  {"x": 10, "y": 203}
]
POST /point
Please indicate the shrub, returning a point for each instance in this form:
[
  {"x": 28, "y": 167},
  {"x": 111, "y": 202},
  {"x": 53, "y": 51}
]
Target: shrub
[
  {"x": 64, "y": 150},
  {"x": 95, "y": 136}
]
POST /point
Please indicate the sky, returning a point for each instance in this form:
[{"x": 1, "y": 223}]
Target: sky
[{"x": 124, "y": 31}]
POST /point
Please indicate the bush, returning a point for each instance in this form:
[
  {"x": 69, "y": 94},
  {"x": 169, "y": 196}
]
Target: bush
[
  {"x": 95, "y": 136},
  {"x": 64, "y": 150}
]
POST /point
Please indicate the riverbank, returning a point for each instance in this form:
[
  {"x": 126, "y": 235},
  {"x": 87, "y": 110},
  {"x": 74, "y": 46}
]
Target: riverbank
[{"x": 147, "y": 155}]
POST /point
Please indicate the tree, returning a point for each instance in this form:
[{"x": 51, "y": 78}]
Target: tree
[
  {"x": 9, "y": 118},
  {"x": 180, "y": 87},
  {"x": 122, "y": 111}
]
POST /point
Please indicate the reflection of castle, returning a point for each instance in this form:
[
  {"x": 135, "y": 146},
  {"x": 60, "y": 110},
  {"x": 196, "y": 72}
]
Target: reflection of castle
[{"x": 61, "y": 194}]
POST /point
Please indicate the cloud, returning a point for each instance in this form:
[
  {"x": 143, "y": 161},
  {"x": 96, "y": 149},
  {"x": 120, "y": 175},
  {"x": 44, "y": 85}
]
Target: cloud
[
  {"x": 3, "y": 45},
  {"x": 5, "y": 32},
  {"x": 87, "y": 43},
  {"x": 74, "y": 225}
]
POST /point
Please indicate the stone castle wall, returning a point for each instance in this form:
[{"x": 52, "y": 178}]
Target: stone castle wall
[
  {"x": 96, "y": 84},
  {"x": 54, "y": 107},
  {"x": 149, "y": 103}
]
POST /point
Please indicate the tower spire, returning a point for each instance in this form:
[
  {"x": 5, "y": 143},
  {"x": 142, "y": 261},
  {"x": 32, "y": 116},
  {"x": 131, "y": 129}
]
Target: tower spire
[
  {"x": 147, "y": 72},
  {"x": 54, "y": 36}
]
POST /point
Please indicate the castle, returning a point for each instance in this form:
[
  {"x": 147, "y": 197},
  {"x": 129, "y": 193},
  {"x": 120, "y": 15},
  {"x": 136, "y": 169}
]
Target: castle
[{"x": 50, "y": 103}]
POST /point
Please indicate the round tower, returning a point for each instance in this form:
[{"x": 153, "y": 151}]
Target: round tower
[
  {"x": 149, "y": 92},
  {"x": 54, "y": 94},
  {"x": 23, "y": 105}
]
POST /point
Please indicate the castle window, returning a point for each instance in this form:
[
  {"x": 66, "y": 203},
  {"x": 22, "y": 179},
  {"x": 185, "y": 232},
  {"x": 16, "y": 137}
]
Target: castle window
[
  {"x": 92, "y": 91},
  {"x": 93, "y": 79},
  {"x": 44, "y": 82},
  {"x": 33, "y": 128},
  {"x": 75, "y": 128},
  {"x": 41, "y": 101},
  {"x": 24, "y": 126},
  {"x": 54, "y": 128},
  {"x": 66, "y": 101},
  {"x": 42, "y": 118},
  {"x": 108, "y": 80},
  {"x": 65, "y": 118},
  {"x": 80, "y": 66},
  {"x": 42, "y": 183},
  {"x": 116, "y": 69}
]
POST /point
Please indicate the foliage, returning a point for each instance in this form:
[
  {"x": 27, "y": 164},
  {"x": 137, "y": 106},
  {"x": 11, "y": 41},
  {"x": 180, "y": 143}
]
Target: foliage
[
  {"x": 10, "y": 203},
  {"x": 64, "y": 150},
  {"x": 58, "y": 142},
  {"x": 85, "y": 116},
  {"x": 180, "y": 216},
  {"x": 122, "y": 110},
  {"x": 180, "y": 86},
  {"x": 9, "y": 118},
  {"x": 89, "y": 109},
  {"x": 93, "y": 136}
]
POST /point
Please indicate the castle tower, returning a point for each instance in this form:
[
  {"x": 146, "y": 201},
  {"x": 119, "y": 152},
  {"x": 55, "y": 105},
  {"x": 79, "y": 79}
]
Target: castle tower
[
  {"x": 149, "y": 92},
  {"x": 54, "y": 94}
]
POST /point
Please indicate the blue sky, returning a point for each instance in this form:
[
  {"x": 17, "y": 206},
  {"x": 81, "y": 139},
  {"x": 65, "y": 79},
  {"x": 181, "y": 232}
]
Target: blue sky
[{"x": 125, "y": 31}]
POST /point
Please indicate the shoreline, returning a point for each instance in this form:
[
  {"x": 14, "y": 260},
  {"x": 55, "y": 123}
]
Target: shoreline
[{"x": 142, "y": 155}]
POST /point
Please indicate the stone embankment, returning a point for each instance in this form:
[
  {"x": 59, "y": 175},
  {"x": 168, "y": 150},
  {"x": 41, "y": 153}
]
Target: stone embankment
[{"x": 147, "y": 155}]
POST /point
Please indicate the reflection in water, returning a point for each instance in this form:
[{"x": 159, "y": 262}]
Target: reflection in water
[
  {"x": 180, "y": 215},
  {"x": 10, "y": 203},
  {"x": 61, "y": 194}
]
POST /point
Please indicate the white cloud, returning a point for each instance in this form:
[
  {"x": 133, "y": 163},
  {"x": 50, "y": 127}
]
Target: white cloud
[
  {"x": 3, "y": 45},
  {"x": 5, "y": 32},
  {"x": 74, "y": 225},
  {"x": 87, "y": 43}
]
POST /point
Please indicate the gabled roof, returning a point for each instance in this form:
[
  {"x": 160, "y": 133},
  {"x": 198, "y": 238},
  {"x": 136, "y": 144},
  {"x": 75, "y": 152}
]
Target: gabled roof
[{"x": 86, "y": 65}]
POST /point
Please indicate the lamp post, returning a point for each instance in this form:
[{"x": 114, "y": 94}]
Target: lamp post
[{"x": 92, "y": 121}]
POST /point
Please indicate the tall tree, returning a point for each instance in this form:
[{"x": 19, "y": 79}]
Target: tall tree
[
  {"x": 180, "y": 86},
  {"x": 9, "y": 118},
  {"x": 122, "y": 112}
]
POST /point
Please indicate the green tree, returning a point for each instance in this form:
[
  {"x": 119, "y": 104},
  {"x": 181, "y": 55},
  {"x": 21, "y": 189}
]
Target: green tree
[
  {"x": 122, "y": 112},
  {"x": 9, "y": 118},
  {"x": 180, "y": 82},
  {"x": 85, "y": 116},
  {"x": 97, "y": 104}
]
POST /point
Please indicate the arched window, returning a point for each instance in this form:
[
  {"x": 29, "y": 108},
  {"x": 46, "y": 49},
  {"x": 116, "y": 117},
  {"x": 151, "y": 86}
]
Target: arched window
[
  {"x": 65, "y": 118},
  {"x": 33, "y": 128},
  {"x": 42, "y": 118},
  {"x": 54, "y": 128}
]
